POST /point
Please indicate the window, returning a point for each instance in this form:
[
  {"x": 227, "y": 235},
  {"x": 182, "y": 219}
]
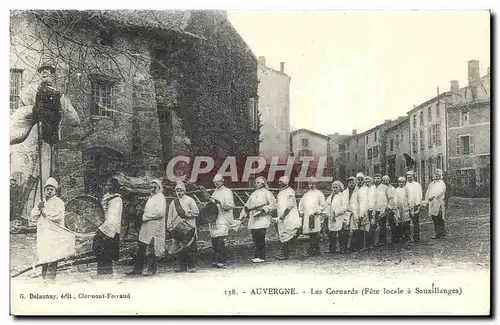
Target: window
[
  {"x": 305, "y": 142},
  {"x": 375, "y": 152},
  {"x": 357, "y": 140},
  {"x": 391, "y": 145},
  {"x": 465, "y": 145},
  {"x": 15, "y": 88},
  {"x": 347, "y": 143},
  {"x": 429, "y": 113},
  {"x": 429, "y": 136},
  {"x": 438, "y": 134},
  {"x": 414, "y": 120},
  {"x": 434, "y": 133},
  {"x": 438, "y": 110},
  {"x": 355, "y": 157},
  {"x": 429, "y": 168},
  {"x": 422, "y": 118},
  {"x": 397, "y": 142},
  {"x": 366, "y": 138},
  {"x": 414, "y": 144},
  {"x": 422, "y": 170},
  {"x": 439, "y": 162},
  {"x": 464, "y": 118},
  {"x": 376, "y": 169},
  {"x": 370, "y": 154},
  {"x": 101, "y": 98},
  {"x": 348, "y": 156},
  {"x": 422, "y": 140},
  {"x": 375, "y": 135}
]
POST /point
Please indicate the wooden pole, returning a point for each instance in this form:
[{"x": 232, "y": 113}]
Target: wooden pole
[{"x": 40, "y": 144}]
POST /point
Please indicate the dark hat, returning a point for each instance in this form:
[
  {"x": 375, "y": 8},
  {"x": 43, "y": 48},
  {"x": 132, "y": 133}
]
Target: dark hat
[{"x": 47, "y": 65}]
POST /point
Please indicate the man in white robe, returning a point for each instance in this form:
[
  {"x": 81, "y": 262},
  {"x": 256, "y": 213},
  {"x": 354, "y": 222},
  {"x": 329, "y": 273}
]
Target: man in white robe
[
  {"x": 384, "y": 204},
  {"x": 259, "y": 207},
  {"x": 435, "y": 197},
  {"x": 363, "y": 218},
  {"x": 338, "y": 218},
  {"x": 223, "y": 198},
  {"x": 401, "y": 211},
  {"x": 372, "y": 192},
  {"x": 53, "y": 241},
  {"x": 288, "y": 217},
  {"x": 311, "y": 209},
  {"x": 357, "y": 223},
  {"x": 152, "y": 230},
  {"x": 183, "y": 208},
  {"x": 414, "y": 200}
]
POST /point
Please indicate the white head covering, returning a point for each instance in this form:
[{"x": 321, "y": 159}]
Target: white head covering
[
  {"x": 360, "y": 175},
  {"x": 284, "y": 179},
  {"x": 410, "y": 172},
  {"x": 385, "y": 177},
  {"x": 339, "y": 184},
  {"x": 180, "y": 185},
  {"x": 158, "y": 182},
  {"x": 401, "y": 179},
  {"x": 368, "y": 178},
  {"x": 51, "y": 182},
  {"x": 218, "y": 178},
  {"x": 263, "y": 180}
]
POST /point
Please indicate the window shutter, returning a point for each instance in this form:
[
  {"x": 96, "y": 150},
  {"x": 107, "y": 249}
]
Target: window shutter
[
  {"x": 458, "y": 146},
  {"x": 471, "y": 144}
]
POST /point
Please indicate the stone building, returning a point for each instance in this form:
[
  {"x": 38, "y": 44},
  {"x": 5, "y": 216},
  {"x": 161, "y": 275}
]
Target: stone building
[
  {"x": 335, "y": 155},
  {"x": 274, "y": 109},
  {"x": 147, "y": 85},
  {"x": 352, "y": 155},
  {"x": 428, "y": 137},
  {"x": 469, "y": 134},
  {"x": 397, "y": 145}
]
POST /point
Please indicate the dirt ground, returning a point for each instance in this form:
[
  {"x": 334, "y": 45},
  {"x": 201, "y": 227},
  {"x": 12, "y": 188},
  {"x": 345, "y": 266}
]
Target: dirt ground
[{"x": 466, "y": 246}]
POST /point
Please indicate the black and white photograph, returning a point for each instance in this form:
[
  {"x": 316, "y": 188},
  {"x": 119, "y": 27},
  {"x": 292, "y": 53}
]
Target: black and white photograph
[{"x": 250, "y": 162}]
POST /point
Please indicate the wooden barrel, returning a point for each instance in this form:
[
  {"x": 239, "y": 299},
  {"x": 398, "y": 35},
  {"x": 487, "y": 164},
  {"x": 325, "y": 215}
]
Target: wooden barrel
[
  {"x": 84, "y": 214},
  {"x": 208, "y": 213}
]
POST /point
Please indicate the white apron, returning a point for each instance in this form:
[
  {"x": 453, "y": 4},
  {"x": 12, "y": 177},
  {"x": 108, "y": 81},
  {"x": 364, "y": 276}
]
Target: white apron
[
  {"x": 363, "y": 197},
  {"x": 260, "y": 198},
  {"x": 225, "y": 219},
  {"x": 312, "y": 202},
  {"x": 414, "y": 196},
  {"x": 338, "y": 217},
  {"x": 287, "y": 228},
  {"x": 437, "y": 189},
  {"x": 153, "y": 223},
  {"x": 54, "y": 242},
  {"x": 401, "y": 211},
  {"x": 191, "y": 209}
]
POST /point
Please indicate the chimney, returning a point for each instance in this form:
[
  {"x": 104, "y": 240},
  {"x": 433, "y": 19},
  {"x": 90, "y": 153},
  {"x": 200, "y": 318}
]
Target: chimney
[
  {"x": 454, "y": 86},
  {"x": 282, "y": 67},
  {"x": 473, "y": 72},
  {"x": 354, "y": 132},
  {"x": 262, "y": 61}
]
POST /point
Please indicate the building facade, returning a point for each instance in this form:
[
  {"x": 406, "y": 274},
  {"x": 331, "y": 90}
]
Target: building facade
[
  {"x": 352, "y": 155},
  {"x": 428, "y": 137},
  {"x": 144, "y": 91},
  {"x": 397, "y": 145},
  {"x": 274, "y": 109},
  {"x": 335, "y": 155},
  {"x": 469, "y": 134}
]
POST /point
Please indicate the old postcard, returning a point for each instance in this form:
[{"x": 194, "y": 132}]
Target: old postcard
[{"x": 214, "y": 162}]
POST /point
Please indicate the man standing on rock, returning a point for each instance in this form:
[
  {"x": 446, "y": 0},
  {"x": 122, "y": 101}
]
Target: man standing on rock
[{"x": 288, "y": 217}]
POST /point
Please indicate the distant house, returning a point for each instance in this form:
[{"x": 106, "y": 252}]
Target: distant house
[
  {"x": 397, "y": 145},
  {"x": 352, "y": 155},
  {"x": 469, "y": 134}
]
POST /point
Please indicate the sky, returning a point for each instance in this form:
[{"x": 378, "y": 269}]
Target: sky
[{"x": 355, "y": 69}]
